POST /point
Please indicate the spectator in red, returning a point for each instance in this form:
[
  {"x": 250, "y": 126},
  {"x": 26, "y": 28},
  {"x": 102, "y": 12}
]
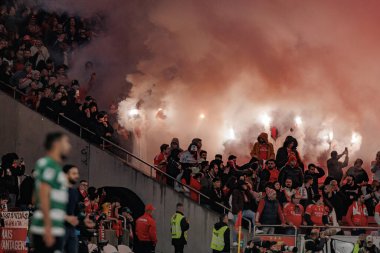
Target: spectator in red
[
  {"x": 146, "y": 231},
  {"x": 269, "y": 174},
  {"x": 263, "y": 150},
  {"x": 83, "y": 187},
  {"x": 357, "y": 215},
  {"x": 316, "y": 173},
  {"x": 92, "y": 205},
  {"x": 195, "y": 183},
  {"x": 293, "y": 171},
  {"x": 317, "y": 213},
  {"x": 293, "y": 213},
  {"x": 160, "y": 161},
  {"x": 269, "y": 212}
]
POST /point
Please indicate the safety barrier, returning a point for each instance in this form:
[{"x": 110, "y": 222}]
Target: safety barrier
[{"x": 297, "y": 237}]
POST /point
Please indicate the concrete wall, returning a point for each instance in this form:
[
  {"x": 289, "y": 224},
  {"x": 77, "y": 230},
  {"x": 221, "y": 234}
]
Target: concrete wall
[{"x": 23, "y": 131}]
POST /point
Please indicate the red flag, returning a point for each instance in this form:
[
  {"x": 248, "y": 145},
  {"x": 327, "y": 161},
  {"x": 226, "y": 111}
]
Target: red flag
[{"x": 238, "y": 221}]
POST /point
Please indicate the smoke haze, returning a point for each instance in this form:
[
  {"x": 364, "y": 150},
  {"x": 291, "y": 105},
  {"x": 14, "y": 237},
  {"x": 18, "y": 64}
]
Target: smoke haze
[{"x": 244, "y": 66}]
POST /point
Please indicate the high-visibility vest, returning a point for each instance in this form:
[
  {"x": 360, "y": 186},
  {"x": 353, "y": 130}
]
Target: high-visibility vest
[
  {"x": 176, "y": 226},
  {"x": 217, "y": 241}
]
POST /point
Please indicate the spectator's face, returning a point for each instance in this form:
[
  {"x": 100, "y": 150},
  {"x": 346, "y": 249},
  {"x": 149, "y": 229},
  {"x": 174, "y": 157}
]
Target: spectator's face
[
  {"x": 61, "y": 71},
  {"x": 28, "y": 69},
  {"x": 27, "y": 54},
  {"x": 349, "y": 180},
  {"x": 204, "y": 156},
  {"x": 217, "y": 184},
  {"x": 327, "y": 189},
  {"x": 334, "y": 185},
  {"x": 37, "y": 76},
  {"x": 39, "y": 43},
  {"x": 52, "y": 80},
  {"x": 215, "y": 169},
  {"x": 93, "y": 109},
  {"x": 362, "y": 199},
  {"x": 47, "y": 92},
  {"x": 277, "y": 186},
  {"x": 288, "y": 183},
  {"x": 73, "y": 175},
  {"x": 293, "y": 163},
  {"x": 312, "y": 169},
  {"x": 83, "y": 186},
  {"x": 320, "y": 201},
  {"x": 58, "y": 96},
  {"x": 271, "y": 165},
  {"x": 291, "y": 145},
  {"x": 296, "y": 200},
  {"x": 167, "y": 151},
  {"x": 4, "y": 202},
  {"x": 64, "y": 102},
  {"x": 101, "y": 120},
  {"x": 358, "y": 164}
]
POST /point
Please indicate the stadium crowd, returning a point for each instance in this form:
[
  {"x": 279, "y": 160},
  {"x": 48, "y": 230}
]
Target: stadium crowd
[
  {"x": 85, "y": 207},
  {"x": 276, "y": 188},
  {"x": 37, "y": 49}
]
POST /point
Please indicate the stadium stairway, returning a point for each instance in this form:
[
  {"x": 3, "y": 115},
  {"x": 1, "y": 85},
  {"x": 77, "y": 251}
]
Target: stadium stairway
[{"x": 22, "y": 130}]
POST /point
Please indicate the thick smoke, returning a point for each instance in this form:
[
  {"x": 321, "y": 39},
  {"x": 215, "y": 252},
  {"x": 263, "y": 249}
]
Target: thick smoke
[{"x": 244, "y": 66}]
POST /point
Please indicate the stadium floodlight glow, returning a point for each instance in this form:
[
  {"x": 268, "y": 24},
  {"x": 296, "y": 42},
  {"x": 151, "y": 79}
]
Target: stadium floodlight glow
[
  {"x": 202, "y": 116},
  {"x": 133, "y": 112},
  {"x": 298, "y": 120},
  {"x": 265, "y": 120}
]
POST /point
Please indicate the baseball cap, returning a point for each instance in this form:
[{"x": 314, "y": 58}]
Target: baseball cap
[
  {"x": 149, "y": 207},
  {"x": 126, "y": 210}
]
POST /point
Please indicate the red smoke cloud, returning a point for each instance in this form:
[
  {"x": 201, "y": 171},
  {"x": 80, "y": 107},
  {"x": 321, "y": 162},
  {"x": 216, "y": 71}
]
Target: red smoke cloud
[{"x": 236, "y": 60}]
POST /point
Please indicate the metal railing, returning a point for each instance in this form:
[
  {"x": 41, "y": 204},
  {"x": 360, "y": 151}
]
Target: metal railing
[{"x": 109, "y": 146}]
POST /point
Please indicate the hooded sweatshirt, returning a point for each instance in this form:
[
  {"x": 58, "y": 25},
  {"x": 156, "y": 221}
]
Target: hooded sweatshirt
[{"x": 263, "y": 151}]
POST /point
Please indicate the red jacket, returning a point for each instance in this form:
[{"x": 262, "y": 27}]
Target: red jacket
[
  {"x": 146, "y": 229},
  {"x": 357, "y": 215}
]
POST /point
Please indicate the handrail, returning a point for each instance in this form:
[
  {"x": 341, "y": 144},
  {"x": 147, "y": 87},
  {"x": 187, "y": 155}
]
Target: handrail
[{"x": 104, "y": 140}]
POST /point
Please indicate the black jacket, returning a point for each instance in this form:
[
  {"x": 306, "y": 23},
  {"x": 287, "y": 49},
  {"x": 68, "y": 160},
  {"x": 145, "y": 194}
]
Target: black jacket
[
  {"x": 26, "y": 191},
  {"x": 314, "y": 245},
  {"x": 227, "y": 243},
  {"x": 295, "y": 174},
  {"x": 315, "y": 177}
]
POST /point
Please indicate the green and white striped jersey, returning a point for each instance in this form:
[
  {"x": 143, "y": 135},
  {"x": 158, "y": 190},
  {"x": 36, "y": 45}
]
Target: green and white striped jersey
[{"x": 49, "y": 171}]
